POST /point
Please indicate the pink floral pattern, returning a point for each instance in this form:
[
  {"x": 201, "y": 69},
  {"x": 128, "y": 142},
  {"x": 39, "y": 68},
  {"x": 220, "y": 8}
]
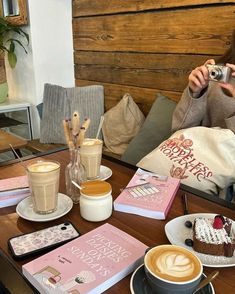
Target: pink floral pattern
[{"x": 33, "y": 241}]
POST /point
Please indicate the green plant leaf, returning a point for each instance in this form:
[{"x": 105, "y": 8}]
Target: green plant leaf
[
  {"x": 12, "y": 59},
  {"x": 12, "y": 47},
  {"x": 17, "y": 41},
  {"x": 7, "y": 32}
]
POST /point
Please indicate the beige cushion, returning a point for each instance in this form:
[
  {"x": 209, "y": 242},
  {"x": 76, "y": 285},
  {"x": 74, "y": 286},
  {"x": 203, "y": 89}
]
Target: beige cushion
[
  {"x": 121, "y": 124},
  {"x": 203, "y": 158}
]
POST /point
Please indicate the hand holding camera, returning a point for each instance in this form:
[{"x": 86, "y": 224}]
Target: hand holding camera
[
  {"x": 228, "y": 86},
  {"x": 199, "y": 78}
]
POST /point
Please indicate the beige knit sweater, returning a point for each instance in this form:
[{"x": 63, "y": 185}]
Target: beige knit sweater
[{"x": 213, "y": 109}]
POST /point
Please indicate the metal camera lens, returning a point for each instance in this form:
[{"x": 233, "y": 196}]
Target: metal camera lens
[
  {"x": 216, "y": 74},
  {"x": 63, "y": 228}
]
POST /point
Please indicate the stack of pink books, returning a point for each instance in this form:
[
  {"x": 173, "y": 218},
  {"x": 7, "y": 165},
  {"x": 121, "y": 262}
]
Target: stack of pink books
[
  {"x": 13, "y": 190},
  {"x": 148, "y": 194},
  {"x": 89, "y": 264}
]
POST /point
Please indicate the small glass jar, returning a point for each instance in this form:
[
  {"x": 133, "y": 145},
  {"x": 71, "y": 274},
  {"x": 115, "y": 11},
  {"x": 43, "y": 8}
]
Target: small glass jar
[{"x": 96, "y": 201}]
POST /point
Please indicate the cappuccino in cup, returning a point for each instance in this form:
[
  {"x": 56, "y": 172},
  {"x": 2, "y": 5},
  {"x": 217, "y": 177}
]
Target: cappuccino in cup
[
  {"x": 172, "y": 269},
  {"x": 91, "y": 154},
  {"x": 43, "y": 179}
]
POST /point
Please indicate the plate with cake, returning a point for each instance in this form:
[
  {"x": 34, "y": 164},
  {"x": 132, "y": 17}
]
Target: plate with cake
[{"x": 210, "y": 236}]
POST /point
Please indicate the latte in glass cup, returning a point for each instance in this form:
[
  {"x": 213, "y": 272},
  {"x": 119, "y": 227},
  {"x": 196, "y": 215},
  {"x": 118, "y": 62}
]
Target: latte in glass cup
[
  {"x": 91, "y": 154},
  {"x": 43, "y": 177},
  {"x": 172, "y": 269}
]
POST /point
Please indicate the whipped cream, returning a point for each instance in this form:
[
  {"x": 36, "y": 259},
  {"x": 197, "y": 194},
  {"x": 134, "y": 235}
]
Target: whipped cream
[
  {"x": 206, "y": 233},
  {"x": 175, "y": 264}
]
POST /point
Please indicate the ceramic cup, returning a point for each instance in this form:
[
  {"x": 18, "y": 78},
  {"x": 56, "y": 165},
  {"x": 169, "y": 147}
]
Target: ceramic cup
[
  {"x": 172, "y": 269},
  {"x": 43, "y": 179}
]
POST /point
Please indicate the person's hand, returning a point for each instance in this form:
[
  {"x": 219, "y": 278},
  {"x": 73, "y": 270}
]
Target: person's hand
[
  {"x": 199, "y": 78},
  {"x": 228, "y": 86}
]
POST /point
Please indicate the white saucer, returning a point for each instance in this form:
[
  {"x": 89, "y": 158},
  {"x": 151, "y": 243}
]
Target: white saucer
[
  {"x": 25, "y": 209},
  {"x": 177, "y": 232},
  {"x": 105, "y": 173}
]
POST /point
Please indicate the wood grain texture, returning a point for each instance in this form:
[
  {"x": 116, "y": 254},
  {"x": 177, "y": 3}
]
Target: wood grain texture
[
  {"x": 22, "y": 17},
  {"x": 144, "y": 97},
  {"x": 188, "y": 31},
  {"x": 91, "y": 7},
  {"x": 144, "y": 47},
  {"x": 168, "y": 72},
  {"x": 132, "y": 224},
  {"x": 7, "y": 138}
]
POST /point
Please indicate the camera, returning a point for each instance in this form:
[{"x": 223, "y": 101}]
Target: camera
[{"x": 218, "y": 73}]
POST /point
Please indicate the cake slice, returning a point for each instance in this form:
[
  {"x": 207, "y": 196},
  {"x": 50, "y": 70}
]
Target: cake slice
[{"x": 213, "y": 236}]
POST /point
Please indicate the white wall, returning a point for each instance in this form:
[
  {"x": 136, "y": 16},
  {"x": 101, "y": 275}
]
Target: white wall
[{"x": 50, "y": 54}]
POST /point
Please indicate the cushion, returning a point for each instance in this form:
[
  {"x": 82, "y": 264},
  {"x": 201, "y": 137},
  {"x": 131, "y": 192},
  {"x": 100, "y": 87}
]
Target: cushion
[
  {"x": 121, "y": 124},
  {"x": 60, "y": 103},
  {"x": 89, "y": 102},
  {"x": 55, "y": 109},
  {"x": 203, "y": 158},
  {"x": 156, "y": 128}
]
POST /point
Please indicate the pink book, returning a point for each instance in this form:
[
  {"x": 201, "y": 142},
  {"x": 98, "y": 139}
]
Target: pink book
[
  {"x": 148, "y": 194},
  {"x": 89, "y": 264},
  {"x": 13, "y": 190},
  {"x": 9, "y": 200},
  {"x": 13, "y": 184}
]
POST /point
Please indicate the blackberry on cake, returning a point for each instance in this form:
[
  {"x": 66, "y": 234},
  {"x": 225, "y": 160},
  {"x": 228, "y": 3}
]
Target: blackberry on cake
[
  {"x": 213, "y": 236},
  {"x": 188, "y": 224}
]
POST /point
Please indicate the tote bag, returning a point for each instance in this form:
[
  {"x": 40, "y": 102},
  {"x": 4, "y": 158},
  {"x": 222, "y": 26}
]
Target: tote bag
[{"x": 203, "y": 158}]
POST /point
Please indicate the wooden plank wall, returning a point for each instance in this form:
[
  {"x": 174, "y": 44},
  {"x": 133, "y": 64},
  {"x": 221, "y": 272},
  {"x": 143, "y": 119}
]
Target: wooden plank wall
[{"x": 144, "y": 46}]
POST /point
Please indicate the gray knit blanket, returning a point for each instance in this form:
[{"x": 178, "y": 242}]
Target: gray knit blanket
[{"x": 59, "y": 103}]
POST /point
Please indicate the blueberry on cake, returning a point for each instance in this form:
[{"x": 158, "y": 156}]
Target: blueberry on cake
[{"x": 213, "y": 236}]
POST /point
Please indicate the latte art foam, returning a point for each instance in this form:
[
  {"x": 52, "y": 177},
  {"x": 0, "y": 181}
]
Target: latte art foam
[
  {"x": 43, "y": 167},
  {"x": 176, "y": 265},
  {"x": 173, "y": 263},
  {"x": 43, "y": 179}
]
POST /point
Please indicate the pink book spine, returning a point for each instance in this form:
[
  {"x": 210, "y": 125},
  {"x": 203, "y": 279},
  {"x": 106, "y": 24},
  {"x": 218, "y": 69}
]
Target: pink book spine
[
  {"x": 171, "y": 201},
  {"x": 13, "y": 183}
]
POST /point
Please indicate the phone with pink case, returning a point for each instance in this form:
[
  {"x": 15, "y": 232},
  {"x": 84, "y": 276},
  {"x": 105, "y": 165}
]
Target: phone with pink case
[{"x": 30, "y": 244}]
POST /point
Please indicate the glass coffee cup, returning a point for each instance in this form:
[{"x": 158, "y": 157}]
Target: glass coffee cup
[
  {"x": 172, "y": 269},
  {"x": 91, "y": 154},
  {"x": 43, "y": 177}
]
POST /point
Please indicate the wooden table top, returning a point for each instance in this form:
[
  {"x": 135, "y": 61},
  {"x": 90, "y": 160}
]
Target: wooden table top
[
  {"x": 149, "y": 231},
  {"x": 6, "y": 139}
]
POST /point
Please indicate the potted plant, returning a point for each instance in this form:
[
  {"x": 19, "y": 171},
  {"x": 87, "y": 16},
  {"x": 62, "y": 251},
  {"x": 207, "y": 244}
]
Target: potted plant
[{"x": 8, "y": 32}]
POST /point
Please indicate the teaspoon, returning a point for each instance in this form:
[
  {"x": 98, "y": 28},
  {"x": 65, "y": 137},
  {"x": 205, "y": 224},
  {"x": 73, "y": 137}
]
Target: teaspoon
[{"x": 206, "y": 281}]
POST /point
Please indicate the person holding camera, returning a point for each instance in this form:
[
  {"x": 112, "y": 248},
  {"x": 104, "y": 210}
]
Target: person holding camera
[
  {"x": 228, "y": 86},
  {"x": 208, "y": 100}
]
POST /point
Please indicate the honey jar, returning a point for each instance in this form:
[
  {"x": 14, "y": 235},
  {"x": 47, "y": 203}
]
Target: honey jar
[{"x": 96, "y": 201}]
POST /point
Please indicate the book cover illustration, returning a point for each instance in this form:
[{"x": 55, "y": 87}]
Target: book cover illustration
[
  {"x": 89, "y": 264},
  {"x": 148, "y": 194}
]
